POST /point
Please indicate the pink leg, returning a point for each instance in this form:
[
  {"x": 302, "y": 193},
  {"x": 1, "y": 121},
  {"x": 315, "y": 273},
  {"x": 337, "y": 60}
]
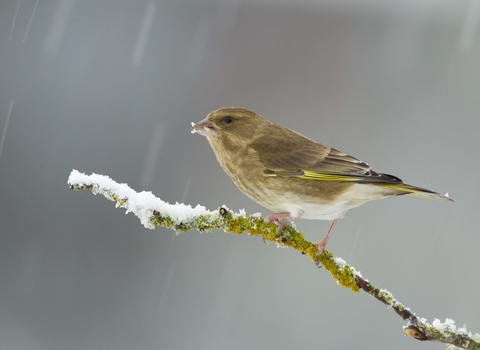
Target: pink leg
[
  {"x": 323, "y": 243},
  {"x": 275, "y": 219}
]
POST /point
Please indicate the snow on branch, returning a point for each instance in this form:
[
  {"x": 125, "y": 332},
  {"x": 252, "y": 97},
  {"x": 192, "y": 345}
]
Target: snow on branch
[{"x": 153, "y": 212}]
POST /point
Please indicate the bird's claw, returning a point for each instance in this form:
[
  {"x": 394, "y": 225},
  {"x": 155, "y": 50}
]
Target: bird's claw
[
  {"x": 275, "y": 218},
  {"x": 316, "y": 261}
]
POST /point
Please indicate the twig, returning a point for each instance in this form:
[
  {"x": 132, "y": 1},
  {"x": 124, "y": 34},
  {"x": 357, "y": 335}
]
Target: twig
[{"x": 152, "y": 212}]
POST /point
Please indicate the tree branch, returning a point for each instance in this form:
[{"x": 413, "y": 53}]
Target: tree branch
[{"x": 153, "y": 212}]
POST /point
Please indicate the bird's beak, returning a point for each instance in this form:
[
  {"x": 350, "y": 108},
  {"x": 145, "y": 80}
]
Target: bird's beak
[{"x": 204, "y": 127}]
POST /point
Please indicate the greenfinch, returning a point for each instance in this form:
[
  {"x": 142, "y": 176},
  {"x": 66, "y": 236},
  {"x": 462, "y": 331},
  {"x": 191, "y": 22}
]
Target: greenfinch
[{"x": 293, "y": 175}]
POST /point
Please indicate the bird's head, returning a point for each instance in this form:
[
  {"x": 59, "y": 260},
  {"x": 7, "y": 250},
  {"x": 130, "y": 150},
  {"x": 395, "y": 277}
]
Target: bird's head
[{"x": 233, "y": 123}]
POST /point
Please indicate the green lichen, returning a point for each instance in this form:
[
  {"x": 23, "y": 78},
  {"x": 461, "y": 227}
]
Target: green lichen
[
  {"x": 465, "y": 341},
  {"x": 389, "y": 299},
  {"x": 256, "y": 226},
  {"x": 290, "y": 237},
  {"x": 344, "y": 274}
]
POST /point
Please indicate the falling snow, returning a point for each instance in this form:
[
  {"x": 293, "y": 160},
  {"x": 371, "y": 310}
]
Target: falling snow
[
  {"x": 4, "y": 133},
  {"x": 30, "y": 21},
  {"x": 145, "y": 29},
  {"x": 111, "y": 86}
]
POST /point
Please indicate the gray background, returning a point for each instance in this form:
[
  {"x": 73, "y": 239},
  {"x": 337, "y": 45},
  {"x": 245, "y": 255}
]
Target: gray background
[{"x": 111, "y": 87}]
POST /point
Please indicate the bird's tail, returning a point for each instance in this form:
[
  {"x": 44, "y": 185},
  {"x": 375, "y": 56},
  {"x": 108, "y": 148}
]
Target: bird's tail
[{"x": 409, "y": 190}]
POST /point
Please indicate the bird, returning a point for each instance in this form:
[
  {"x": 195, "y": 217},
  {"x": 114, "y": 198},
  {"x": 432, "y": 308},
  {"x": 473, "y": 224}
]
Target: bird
[{"x": 293, "y": 175}]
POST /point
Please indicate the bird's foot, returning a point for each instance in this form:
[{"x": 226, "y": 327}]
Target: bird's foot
[
  {"x": 323, "y": 243},
  {"x": 321, "y": 246},
  {"x": 275, "y": 218}
]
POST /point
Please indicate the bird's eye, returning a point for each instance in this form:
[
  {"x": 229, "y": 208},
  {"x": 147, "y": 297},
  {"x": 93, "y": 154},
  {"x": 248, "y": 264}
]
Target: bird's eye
[{"x": 228, "y": 119}]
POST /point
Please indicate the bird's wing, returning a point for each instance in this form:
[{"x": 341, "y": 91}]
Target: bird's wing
[{"x": 297, "y": 156}]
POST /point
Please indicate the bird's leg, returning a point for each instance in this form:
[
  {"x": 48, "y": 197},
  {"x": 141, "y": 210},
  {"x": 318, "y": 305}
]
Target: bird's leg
[{"x": 323, "y": 243}]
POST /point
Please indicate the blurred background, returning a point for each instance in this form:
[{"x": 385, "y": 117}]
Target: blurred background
[{"x": 111, "y": 87}]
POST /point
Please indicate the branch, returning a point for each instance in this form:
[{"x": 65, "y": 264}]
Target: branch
[{"x": 153, "y": 212}]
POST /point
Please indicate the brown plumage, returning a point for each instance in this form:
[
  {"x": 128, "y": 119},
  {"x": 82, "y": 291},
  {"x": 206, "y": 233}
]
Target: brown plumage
[{"x": 291, "y": 174}]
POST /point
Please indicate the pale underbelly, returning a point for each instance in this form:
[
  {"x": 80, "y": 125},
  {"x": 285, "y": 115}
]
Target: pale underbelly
[{"x": 316, "y": 207}]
